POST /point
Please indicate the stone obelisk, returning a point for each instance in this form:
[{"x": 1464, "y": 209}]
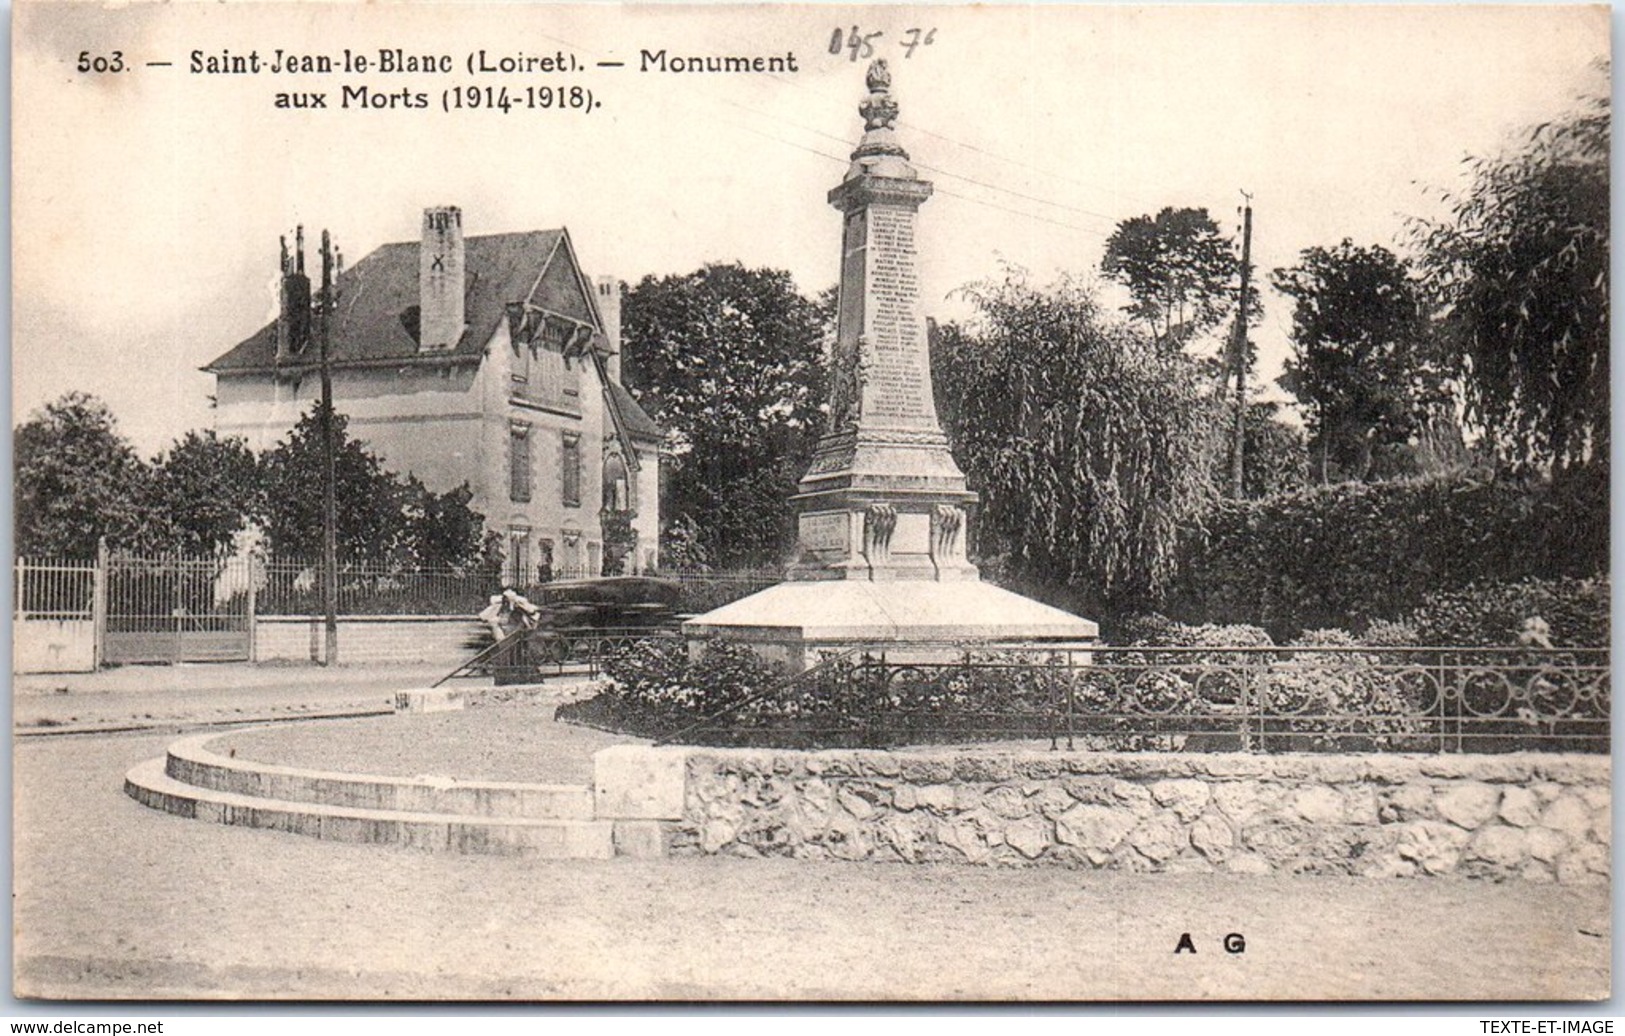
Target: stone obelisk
[
  {"x": 883, "y": 498},
  {"x": 881, "y": 511}
]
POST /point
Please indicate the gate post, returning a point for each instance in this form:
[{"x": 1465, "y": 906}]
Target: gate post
[
  {"x": 253, "y": 566},
  {"x": 98, "y": 606}
]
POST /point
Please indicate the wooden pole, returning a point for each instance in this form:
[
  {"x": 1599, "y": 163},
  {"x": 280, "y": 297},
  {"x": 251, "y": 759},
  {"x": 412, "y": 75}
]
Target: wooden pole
[
  {"x": 330, "y": 541},
  {"x": 1237, "y": 487}
]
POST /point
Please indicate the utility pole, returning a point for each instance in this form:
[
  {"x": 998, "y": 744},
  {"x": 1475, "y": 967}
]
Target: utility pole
[
  {"x": 330, "y": 511},
  {"x": 1237, "y": 489}
]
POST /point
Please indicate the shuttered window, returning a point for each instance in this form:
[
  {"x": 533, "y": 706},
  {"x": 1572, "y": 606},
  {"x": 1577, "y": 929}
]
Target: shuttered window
[
  {"x": 519, "y": 463},
  {"x": 570, "y": 468}
]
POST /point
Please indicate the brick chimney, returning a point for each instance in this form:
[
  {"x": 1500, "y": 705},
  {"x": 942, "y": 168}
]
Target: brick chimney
[
  {"x": 293, "y": 305},
  {"x": 609, "y": 307},
  {"x": 441, "y": 285}
]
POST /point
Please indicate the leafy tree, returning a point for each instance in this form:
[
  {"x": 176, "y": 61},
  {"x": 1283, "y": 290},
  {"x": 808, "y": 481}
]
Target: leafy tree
[
  {"x": 1521, "y": 274},
  {"x": 206, "y": 489},
  {"x": 78, "y": 480},
  {"x": 371, "y": 502},
  {"x": 440, "y": 529},
  {"x": 730, "y": 361},
  {"x": 1091, "y": 446},
  {"x": 1177, "y": 267},
  {"x": 1277, "y": 456},
  {"x": 1360, "y": 362}
]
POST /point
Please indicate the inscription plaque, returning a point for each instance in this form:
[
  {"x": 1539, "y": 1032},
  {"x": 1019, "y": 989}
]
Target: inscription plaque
[{"x": 825, "y": 531}]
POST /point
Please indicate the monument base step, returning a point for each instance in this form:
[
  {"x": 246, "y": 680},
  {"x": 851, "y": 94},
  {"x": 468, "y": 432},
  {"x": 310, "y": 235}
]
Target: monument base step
[
  {"x": 150, "y": 784},
  {"x": 192, "y": 762}
]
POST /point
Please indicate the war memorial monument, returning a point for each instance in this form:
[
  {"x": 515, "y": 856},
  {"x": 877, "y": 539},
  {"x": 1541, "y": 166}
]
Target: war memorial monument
[{"x": 881, "y": 522}]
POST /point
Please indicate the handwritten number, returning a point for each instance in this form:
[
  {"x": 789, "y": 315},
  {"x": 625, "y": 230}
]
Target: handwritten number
[{"x": 917, "y": 39}]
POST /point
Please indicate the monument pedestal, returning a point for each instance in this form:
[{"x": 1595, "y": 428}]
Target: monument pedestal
[
  {"x": 798, "y": 623},
  {"x": 882, "y": 509}
]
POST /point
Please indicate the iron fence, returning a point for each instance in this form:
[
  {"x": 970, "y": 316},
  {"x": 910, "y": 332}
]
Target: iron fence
[
  {"x": 699, "y": 592},
  {"x": 530, "y": 656},
  {"x": 374, "y": 588},
  {"x": 52, "y": 588},
  {"x": 1185, "y": 699},
  {"x": 292, "y": 587}
]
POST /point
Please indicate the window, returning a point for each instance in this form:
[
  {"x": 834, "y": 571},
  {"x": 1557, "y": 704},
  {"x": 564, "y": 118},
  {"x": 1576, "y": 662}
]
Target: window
[
  {"x": 519, "y": 462},
  {"x": 521, "y": 368},
  {"x": 570, "y": 566},
  {"x": 617, "y": 495},
  {"x": 518, "y": 567},
  {"x": 570, "y": 469},
  {"x": 544, "y": 560}
]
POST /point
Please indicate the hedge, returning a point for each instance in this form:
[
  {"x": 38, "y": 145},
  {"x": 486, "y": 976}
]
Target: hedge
[{"x": 1345, "y": 555}]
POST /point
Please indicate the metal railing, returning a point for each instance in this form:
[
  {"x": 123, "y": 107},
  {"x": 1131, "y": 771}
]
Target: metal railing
[
  {"x": 50, "y": 588},
  {"x": 293, "y": 587},
  {"x": 374, "y": 588},
  {"x": 702, "y": 591},
  {"x": 1293, "y": 699},
  {"x": 540, "y": 653}
]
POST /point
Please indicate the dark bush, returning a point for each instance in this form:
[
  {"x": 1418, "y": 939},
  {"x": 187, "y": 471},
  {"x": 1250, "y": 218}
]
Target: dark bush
[
  {"x": 1575, "y": 610},
  {"x": 1344, "y": 555},
  {"x": 657, "y": 689}
]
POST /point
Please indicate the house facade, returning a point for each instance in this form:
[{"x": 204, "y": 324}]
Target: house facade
[{"x": 491, "y": 360}]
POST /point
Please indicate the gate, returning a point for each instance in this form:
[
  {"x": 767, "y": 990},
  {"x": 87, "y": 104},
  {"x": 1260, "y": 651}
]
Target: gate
[
  {"x": 53, "y": 619},
  {"x": 179, "y": 609}
]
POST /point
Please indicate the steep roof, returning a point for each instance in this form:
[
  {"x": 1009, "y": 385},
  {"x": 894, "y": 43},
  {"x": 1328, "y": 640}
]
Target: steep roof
[
  {"x": 634, "y": 418},
  {"x": 376, "y": 319}
]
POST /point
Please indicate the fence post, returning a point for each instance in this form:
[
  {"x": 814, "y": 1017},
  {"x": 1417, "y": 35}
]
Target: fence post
[
  {"x": 252, "y": 564},
  {"x": 98, "y": 606}
]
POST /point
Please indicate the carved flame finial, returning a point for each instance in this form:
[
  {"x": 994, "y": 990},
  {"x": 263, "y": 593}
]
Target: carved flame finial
[
  {"x": 879, "y": 111},
  {"x": 879, "y": 78}
]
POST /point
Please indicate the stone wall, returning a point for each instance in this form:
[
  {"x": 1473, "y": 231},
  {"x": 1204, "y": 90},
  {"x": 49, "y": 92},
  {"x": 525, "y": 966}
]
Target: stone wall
[{"x": 1532, "y": 817}]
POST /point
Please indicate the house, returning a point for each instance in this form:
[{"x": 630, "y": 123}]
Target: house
[{"x": 491, "y": 360}]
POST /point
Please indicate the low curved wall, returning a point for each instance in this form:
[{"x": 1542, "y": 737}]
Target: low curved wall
[{"x": 1533, "y": 817}]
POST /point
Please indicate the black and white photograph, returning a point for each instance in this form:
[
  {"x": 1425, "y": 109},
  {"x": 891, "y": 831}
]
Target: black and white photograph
[{"x": 620, "y": 503}]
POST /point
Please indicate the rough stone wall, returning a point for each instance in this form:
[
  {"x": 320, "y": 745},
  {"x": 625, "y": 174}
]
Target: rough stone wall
[{"x": 1532, "y": 817}]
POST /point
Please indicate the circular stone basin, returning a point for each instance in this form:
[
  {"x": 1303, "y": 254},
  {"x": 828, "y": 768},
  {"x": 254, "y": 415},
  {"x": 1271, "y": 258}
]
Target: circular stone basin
[{"x": 519, "y": 743}]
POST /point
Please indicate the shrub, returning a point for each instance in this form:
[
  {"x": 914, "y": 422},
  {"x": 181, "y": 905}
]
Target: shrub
[
  {"x": 1345, "y": 555},
  {"x": 656, "y": 688},
  {"x": 1576, "y": 610}
]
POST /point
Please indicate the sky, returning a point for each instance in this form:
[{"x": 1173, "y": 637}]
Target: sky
[{"x": 147, "y": 204}]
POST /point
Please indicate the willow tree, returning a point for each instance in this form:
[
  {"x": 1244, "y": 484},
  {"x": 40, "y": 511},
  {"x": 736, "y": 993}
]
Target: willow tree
[
  {"x": 1091, "y": 446},
  {"x": 1520, "y": 272}
]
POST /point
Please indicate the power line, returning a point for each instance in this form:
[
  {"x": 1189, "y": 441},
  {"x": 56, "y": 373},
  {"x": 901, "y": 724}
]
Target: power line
[
  {"x": 950, "y": 194},
  {"x": 934, "y": 169}
]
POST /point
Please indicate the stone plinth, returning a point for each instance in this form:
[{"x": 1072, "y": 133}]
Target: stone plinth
[{"x": 799, "y": 622}]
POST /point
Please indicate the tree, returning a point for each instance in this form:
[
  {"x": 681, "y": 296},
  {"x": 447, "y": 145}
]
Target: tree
[
  {"x": 1277, "y": 456},
  {"x": 371, "y": 502},
  {"x": 1520, "y": 273},
  {"x": 730, "y": 361},
  {"x": 1360, "y": 361},
  {"x": 207, "y": 489},
  {"x": 78, "y": 480},
  {"x": 1177, "y": 267},
  {"x": 1090, "y": 444},
  {"x": 440, "y": 530}
]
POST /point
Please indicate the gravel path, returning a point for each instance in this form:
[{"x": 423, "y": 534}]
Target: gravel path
[
  {"x": 493, "y": 743},
  {"x": 114, "y": 900}
]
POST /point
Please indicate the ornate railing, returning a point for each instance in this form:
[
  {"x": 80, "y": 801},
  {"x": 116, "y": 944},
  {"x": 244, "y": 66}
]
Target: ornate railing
[
  {"x": 1187, "y": 699},
  {"x": 527, "y": 655}
]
